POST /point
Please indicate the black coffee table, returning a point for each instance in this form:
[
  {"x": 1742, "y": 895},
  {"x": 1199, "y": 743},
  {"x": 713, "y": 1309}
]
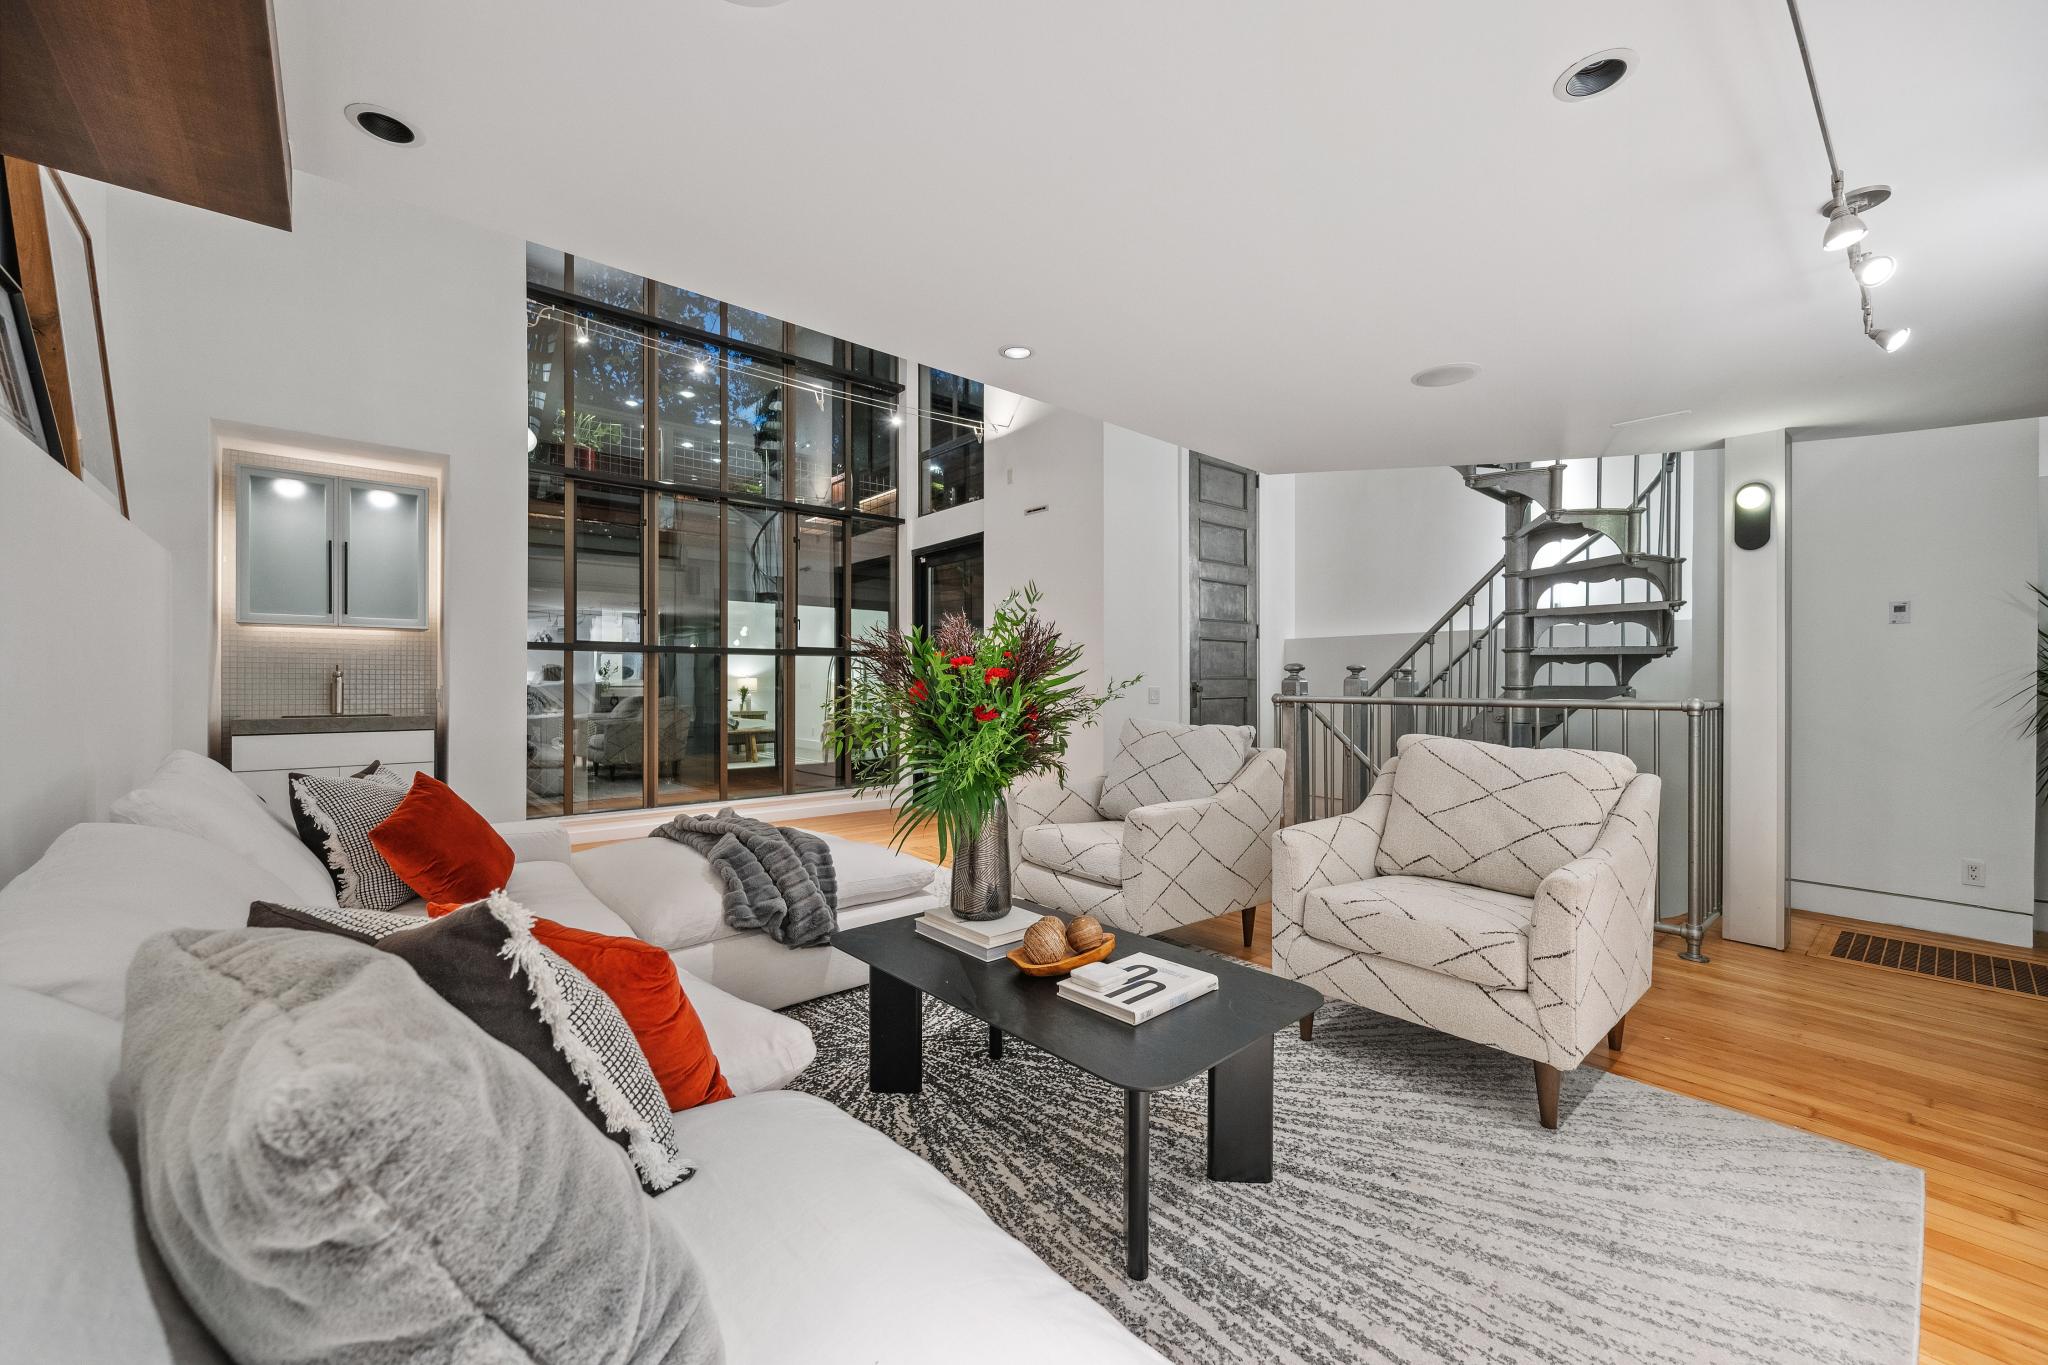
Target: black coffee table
[{"x": 1227, "y": 1033}]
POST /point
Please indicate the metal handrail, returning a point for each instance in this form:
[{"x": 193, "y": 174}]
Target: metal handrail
[
  {"x": 1505, "y": 703},
  {"x": 1427, "y": 639}
]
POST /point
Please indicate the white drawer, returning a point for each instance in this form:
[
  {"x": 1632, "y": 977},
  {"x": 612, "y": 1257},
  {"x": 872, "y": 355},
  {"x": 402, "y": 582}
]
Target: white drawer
[
  {"x": 351, "y": 750},
  {"x": 273, "y": 785}
]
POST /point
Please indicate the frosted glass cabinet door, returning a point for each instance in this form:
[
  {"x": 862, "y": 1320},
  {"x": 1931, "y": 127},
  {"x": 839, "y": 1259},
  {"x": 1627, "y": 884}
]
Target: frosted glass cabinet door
[
  {"x": 284, "y": 542},
  {"x": 383, "y": 555}
]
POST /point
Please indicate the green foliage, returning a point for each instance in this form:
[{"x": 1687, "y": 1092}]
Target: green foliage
[{"x": 947, "y": 720}]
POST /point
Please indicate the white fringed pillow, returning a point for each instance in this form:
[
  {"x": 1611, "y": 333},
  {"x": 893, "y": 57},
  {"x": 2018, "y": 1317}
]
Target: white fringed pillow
[{"x": 334, "y": 816}]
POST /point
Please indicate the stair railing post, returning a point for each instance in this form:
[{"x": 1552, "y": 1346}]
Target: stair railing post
[
  {"x": 1356, "y": 777},
  {"x": 1294, "y": 685},
  {"x": 1698, "y": 826}
]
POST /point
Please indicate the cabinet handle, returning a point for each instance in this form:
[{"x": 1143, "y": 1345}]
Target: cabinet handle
[
  {"x": 344, "y": 578},
  {"x": 330, "y": 577}
]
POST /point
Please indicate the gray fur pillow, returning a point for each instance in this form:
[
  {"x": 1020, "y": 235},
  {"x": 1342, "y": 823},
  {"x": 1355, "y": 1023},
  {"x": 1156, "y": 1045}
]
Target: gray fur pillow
[{"x": 336, "y": 1165}]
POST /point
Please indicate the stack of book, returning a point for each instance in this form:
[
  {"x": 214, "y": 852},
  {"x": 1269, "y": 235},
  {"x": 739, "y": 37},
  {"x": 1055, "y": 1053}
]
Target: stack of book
[
  {"x": 1136, "y": 988},
  {"x": 985, "y": 940}
]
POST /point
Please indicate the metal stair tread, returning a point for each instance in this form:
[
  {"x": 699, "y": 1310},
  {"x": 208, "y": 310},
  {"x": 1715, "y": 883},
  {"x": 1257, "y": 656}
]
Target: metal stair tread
[
  {"x": 1568, "y": 567},
  {"x": 1591, "y": 608},
  {"x": 1600, "y": 651}
]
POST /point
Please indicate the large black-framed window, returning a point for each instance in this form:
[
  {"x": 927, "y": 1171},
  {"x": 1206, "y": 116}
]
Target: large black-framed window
[
  {"x": 711, "y": 521},
  {"x": 950, "y": 411}
]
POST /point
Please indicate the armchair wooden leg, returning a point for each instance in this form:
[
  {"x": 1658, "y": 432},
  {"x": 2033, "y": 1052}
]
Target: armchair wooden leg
[
  {"x": 1614, "y": 1034},
  {"x": 1308, "y": 1027},
  {"x": 1547, "y": 1077},
  {"x": 1251, "y": 920}
]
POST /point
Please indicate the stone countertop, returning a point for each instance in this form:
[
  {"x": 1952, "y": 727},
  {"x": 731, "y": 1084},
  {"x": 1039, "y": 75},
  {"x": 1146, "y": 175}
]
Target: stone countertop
[{"x": 325, "y": 725}]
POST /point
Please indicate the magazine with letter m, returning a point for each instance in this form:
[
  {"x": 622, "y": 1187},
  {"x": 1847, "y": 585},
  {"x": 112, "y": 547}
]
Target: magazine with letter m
[{"x": 1136, "y": 988}]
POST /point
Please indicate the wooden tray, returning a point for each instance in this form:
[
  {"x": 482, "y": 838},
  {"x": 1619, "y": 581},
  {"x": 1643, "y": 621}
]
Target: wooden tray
[{"x": 1065, "y": 964}]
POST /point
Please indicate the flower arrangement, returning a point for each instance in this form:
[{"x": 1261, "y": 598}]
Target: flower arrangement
[{"x": 947, "y": 720}]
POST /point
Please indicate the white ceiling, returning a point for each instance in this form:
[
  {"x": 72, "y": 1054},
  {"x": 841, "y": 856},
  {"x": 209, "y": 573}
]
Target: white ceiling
[{"x": 1241, "y": 227}]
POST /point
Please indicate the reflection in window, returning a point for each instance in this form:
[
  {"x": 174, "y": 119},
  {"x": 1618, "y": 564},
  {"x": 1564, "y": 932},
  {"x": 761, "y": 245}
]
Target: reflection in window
[
  {"x": 689, "y": 733},
  {"x": 817, "y": 462},
  {"x": 753, "y": 577},
  {"x": 691, "y": 405},
  {"x": 753, "y": 426},
  {"x": 686, "y": 571},
  {"x": 685, "y": 628},
  {"x": 608, "y": 697},
  {"x": 753, "y": 760},
  {"x": 820, "y": 580},
  {"x": 608, "y": 537},
  {"x": 951, "y": 460}
]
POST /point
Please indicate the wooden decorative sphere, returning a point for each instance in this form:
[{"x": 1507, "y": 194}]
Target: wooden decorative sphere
[
  {"x": 1084, "y": 934},
  {"x": 1046, "y": 941}
]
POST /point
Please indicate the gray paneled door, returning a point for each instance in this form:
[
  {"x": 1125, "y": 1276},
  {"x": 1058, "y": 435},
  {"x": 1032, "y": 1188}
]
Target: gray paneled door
[{"x": 1223, "y": 592}]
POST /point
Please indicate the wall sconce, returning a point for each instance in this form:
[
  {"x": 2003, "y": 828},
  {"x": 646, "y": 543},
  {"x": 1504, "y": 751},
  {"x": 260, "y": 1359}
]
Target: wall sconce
[{"x": 1752, "y": 515}]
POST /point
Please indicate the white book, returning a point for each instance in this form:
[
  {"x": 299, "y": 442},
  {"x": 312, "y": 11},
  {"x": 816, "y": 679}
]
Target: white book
[
  {"x": 979, "y": 952},
  {"x": 1136, "y": 988},
  {"x": 982, "y": 932}
]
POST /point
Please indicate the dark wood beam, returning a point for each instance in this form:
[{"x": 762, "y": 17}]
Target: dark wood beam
[{"x": 176, "y": 98}]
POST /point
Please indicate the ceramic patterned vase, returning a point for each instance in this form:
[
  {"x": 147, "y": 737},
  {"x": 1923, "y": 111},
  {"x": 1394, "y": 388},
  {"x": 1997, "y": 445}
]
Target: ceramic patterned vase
[{"x": 981, "y": 870}]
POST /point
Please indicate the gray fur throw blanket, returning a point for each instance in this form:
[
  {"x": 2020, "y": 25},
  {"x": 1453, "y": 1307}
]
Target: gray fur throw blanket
[{"x": 779, "y": 881}]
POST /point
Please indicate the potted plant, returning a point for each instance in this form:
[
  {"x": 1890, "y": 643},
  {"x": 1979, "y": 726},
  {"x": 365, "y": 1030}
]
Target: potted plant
[{"x": 947, "y": 720}]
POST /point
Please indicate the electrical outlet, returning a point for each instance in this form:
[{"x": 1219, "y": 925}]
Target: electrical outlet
[
  {"x": 1973, "y": 872},
  {"x": 1151, "y": 696}
]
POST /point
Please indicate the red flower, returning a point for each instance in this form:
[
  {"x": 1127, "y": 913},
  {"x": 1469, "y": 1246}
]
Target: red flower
[
  {"x": 985, "y": 714},
  {"x": 995, "y": 675},
  {"x": 1008, "y": 655},
  {"x": 918, "y": 691},
  {"x": 961, "y": 660}
]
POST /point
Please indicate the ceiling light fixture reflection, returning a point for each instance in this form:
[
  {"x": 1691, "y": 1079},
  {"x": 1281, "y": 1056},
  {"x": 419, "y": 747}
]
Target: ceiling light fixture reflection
[
  {"x": 383, "y": 499},
  {"x": 583, "y": 338},
  {"x": 895, "y": 419},
  {"x": 288, "y": 488},
  {"x": 532, "y": 440}
]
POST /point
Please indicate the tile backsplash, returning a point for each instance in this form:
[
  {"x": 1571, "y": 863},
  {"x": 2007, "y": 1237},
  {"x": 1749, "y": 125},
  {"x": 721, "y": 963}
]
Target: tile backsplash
[{"x": 287, "y": 670}]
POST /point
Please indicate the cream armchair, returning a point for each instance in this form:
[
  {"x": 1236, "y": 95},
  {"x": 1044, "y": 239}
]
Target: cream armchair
[
  {"x": 1412, "y": 931},
  {"x": 1164, "y": 864}
]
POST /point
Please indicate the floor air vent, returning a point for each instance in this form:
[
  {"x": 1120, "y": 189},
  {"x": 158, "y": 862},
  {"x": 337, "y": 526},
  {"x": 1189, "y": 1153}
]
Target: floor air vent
[{"x": 1945, "y": 964}]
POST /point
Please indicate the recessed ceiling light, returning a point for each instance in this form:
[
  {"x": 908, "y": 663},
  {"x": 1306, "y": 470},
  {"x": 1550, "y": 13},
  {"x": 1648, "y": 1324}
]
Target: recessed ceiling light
[
  {"x": 1015, "y": 353},
  {"x": 1594, "y": 75},
  {"x": 1443, "y": 376},
  {"x": 382, "y": 124}
]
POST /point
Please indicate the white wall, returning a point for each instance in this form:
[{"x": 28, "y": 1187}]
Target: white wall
[
  {"x": 1278, "y": 536},
  {"x": 85, "y": 633},
  {"x": 1144, "y": 577},
  {"x": 1384, "y": 551},
  {"x": 370, "y": 323},
  {"x": 1905, "y": 752}
]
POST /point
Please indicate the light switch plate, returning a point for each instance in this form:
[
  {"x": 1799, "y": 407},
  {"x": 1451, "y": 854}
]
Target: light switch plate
[
  {"x": 1901, "y": 614},
  {"x": 1152, "y": 696}
]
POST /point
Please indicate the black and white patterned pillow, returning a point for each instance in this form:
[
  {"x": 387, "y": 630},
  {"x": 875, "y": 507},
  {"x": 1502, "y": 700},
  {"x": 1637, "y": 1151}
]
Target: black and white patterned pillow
[
  {"x": 1156, "y": 762},
  {"x": 560, "y": 1020},
  {"x": 334, "y": 816}
]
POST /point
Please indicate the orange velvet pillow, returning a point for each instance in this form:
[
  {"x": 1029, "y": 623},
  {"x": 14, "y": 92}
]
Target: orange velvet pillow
[
  {"x": 641, "y": 980},
  {"x": 440, "y": 847}
]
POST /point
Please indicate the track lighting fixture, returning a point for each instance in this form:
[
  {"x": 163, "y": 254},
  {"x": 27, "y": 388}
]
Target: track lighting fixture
[
  {"x": 1872, "y": 271},
  {"x": 1844, "y": 211},
  {"x": 1844, "y": 229}
]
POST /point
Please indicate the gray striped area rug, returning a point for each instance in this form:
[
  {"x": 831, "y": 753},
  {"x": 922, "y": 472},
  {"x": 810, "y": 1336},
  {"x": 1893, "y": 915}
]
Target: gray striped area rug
[{"x": 1417, "y": 1211}]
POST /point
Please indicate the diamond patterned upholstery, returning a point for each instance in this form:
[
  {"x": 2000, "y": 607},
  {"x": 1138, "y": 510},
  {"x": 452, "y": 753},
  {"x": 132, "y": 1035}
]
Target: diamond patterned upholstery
[
  {"x": 1156, "y": 762},
  {"x": 1468, "y": 932},
  {"x": 1588, "y": 927},
  {"x": 1178, "y": 862},
  {"x": 1086, "y": 848},
  {"x": 1492, "y": 816}
]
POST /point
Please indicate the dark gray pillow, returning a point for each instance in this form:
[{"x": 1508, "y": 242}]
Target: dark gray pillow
[
  {"x": 540, "y": 1006},
  {"x": 337, "y": 1166}
]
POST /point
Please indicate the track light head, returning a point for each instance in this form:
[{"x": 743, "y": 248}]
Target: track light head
[
  {"x": 1871, "y": 271},
  {"x": 1890, "y": 339},
  {"x": 1844, "y": 230}
]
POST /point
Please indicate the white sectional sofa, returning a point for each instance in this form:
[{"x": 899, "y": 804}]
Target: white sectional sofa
[{"x": 822, "y": 1240}]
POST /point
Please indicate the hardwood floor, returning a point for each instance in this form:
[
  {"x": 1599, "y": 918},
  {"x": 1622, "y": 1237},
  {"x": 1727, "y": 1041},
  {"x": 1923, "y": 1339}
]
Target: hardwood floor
[{"x": 1947, "y": 1077}]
